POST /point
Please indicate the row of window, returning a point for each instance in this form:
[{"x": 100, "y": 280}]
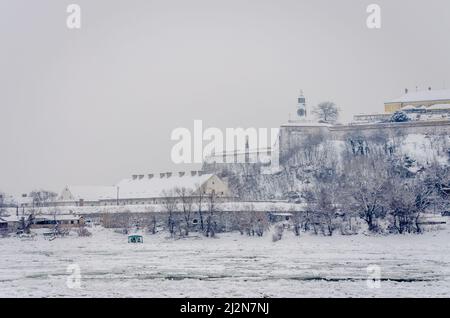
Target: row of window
[{"x": 134, "y": 202}]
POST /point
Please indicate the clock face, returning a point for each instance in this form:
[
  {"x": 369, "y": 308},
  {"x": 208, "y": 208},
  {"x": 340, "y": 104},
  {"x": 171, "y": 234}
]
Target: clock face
[{"x": 301, "y": 112}]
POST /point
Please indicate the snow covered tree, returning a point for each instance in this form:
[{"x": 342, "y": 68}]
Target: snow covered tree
[
  {"x": 366, "y": 183},
  {"x": 323, "y": 206},
  {"x": 327, "y": 112},
  {"x": 278, "y": 233},
  {"x": 407, "y": 200}
]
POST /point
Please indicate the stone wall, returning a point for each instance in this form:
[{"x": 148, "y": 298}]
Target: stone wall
[{"x": 294, "y": 134}]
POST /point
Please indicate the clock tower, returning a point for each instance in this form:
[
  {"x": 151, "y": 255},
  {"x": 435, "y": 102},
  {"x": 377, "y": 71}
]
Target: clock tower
[{"x": 301, "y": 106}]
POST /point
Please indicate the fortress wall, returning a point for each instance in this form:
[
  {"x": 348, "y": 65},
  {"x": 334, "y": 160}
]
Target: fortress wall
[
  {"x": 418, "y": 127},
  {"x": 292, "y": 136}
]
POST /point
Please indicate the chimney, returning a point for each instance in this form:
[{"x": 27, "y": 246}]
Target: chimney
[
  {"x": 169, "y": 174},
  {"x": 134, "y": 176},
  {"x": 193, "y": 173},
  {"x": 141, "y": 176},
  {"x": 406, "y": 91},
  {"x": 181, "y": 173},
  {"x": 162, "y": 175},
  {"x": 151, "y": 175}
]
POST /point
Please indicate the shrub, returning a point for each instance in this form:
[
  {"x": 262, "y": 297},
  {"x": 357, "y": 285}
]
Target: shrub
[
  {"x": 278, "y": 233},
  {"x": 399, "y": 117}
]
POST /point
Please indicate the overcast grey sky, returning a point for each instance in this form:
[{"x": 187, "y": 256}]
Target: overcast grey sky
[{"x": 92, "y": 106}]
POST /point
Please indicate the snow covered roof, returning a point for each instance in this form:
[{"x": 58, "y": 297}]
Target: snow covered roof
[
  {"x": 137, "y": 187},
  {"x": 440, "y": 106},
  {"x": 16, "y": 200},
  {"x": 155, "y": 186},
  {"x": 422, "y": 96},
  {"x": 10, "y": 218},
  {"x": 88, "y": 193},
  {"x": 59, "y": 217}
]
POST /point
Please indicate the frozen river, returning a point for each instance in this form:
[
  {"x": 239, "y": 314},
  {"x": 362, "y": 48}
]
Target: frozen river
[{"x": 229, "y": 266}]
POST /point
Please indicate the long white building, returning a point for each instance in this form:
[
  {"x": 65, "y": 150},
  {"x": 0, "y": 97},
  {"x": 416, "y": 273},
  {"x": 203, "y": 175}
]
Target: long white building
[{"x": 144, "y": 189}]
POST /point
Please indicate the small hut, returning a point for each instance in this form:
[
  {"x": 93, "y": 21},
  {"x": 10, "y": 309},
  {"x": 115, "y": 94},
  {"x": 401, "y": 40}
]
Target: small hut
[{"x": 135, "y": 238}]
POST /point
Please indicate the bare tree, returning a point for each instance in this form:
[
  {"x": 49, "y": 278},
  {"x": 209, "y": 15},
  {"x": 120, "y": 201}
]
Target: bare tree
[
  {"x": 327, "y": 112},
  {"x": 42, "y": 197},
  {"x": 366, "y": 183},
  {"x": 83, "y": 231},
  {"x": 438, "y": 179},
  {"x": 251, "y": 222},
  {"x": 117, "y": 220},
  {"x": 2, "y": 203},
  {"x": 170, "y": 205},
  {"x": 260, "y": 223},
  {"x": 25, "y": 223},
  {"x": 150, "y": 219},
  {"x": 324, "y": 206},
  {"x": 200, "y": 198},
  {"x": 211, "y": 225},
  {"x": 186, "y": 197},
  {"x": 408, "y": 199}
]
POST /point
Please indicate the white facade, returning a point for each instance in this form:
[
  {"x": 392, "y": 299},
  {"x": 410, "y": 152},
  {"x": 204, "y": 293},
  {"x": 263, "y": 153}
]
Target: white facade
[{"x": 143, "y": 189}]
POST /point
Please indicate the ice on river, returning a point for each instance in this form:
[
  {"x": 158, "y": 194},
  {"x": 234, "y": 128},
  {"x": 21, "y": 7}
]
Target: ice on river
[{"x": 228, "y": 266}]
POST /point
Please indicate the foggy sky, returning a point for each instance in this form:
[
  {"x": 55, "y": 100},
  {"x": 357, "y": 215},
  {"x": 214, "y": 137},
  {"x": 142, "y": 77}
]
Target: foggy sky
[{"x": 93, "y": 106}]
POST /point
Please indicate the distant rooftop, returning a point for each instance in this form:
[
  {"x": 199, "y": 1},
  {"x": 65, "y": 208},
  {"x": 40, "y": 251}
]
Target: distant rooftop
[
  {"x": 423, "y": 96},
  {"x": 139, "y": 186},
  {"x": 154, "y": 186}
]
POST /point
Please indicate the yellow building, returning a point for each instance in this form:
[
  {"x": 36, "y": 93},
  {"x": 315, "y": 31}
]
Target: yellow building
[{"x": 422, "y": 99}]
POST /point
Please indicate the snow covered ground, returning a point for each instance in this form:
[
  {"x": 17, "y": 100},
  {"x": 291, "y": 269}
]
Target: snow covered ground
[{"x": 229, "y": 266}]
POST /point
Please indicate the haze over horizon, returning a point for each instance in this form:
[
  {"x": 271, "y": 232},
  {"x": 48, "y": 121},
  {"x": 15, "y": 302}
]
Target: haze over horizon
[{"x": 93, "y": 106}]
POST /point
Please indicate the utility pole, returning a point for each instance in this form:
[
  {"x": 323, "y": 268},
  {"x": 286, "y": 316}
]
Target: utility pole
[{"x": 117, "y": 201}]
